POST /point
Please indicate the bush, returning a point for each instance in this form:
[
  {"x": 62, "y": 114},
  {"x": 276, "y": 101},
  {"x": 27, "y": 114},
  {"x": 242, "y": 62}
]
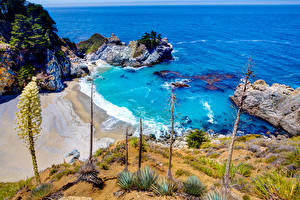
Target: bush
[
  {"x": 244, "y": 170},
  {"x": 8, "y": 190},
  {"x": 62, "y": 173},
  {"x": 277, "y": 186},
  {"x": 125, "y": 180},
  {"x": 40, "y": 191},
  {"x": 103, "y": 166},
  {"x": 180, "y": 172},
  {"x": 164, "y": 187},
  {"x": 98, "y": 153},
  {"x": 196, "y": 138},
  {"x": 145, "y": 178},
  {"x": 53, "y": 171},
  {"x": 135, "y": 142},
  {"x": 193, "y": 186},
  {"x": 246, "y": 197}
]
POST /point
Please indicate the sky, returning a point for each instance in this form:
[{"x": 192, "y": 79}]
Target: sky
[{"x": 57, "y": 3}]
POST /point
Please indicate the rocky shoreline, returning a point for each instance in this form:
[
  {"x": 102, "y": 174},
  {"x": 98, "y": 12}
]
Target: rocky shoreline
[{"x": 277, "y": 104}]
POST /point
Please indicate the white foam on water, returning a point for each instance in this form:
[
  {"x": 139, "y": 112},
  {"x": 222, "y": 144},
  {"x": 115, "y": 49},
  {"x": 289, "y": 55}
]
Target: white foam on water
[
  {"x": 210, "y": 113},
  {"x": 150, "y": 126},
  {"x": 121, "y": 113}
]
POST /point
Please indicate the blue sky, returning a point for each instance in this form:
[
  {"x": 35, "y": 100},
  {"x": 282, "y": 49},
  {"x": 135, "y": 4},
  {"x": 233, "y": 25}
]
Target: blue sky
[{"x": 51, "y": 3}]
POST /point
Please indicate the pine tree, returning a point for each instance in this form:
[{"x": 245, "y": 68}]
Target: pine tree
[{"x": 29, "y": 120}]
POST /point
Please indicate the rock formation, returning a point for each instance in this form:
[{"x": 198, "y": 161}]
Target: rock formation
[
  {"x": 277, "y": 104},
  {"x": 115, "y": 52}
]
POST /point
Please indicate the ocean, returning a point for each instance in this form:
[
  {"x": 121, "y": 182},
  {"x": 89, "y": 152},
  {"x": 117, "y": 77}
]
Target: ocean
[{"x": 211, "y": 42}]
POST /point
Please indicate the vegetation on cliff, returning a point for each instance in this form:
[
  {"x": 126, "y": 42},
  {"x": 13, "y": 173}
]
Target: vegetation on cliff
[
  {"x": 92, "y": 44},
  {"x": 28, "y": 38}
]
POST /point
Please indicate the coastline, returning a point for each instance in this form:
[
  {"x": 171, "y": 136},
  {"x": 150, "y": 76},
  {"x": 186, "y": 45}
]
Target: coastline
[{"x": 65, "y": 127}]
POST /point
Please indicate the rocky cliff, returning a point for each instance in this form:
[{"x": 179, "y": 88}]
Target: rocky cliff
[
  {"x": 135, "y": 54},
  {"x": 277, "y": 104}
]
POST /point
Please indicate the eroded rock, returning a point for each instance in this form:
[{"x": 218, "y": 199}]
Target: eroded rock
[{"x": 278, "y": 104}]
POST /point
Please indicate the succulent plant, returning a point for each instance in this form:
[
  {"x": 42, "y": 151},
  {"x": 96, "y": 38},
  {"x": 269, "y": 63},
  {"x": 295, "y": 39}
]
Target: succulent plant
[
  {"x": 125, "y": 180},
  {"x": 164, "y": 187},
  {"x": 193, "y": 186},
  {"x": 145, "y": 178}
]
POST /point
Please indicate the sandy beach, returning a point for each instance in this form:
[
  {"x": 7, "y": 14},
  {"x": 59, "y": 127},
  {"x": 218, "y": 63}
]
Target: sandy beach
[{"x": 65, "y": 127}]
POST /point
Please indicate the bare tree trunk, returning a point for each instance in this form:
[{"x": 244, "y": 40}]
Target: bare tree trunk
[
  {"x": 34, "y": 163},
  {"x": 92, "y": 122},
  {"x": 126, "y": 149},
  {"x": 169, "y": 174},
  {"x": 141, "y": 145},
  {"x": 235, "y": 128}
]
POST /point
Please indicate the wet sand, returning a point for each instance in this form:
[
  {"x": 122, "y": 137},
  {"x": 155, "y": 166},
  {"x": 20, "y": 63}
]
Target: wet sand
[{"x": 65, "y": 127}]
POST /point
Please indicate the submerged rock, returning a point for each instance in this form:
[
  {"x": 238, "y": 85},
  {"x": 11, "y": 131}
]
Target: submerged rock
[
  {"x": 114, "y": 52},
  {"x": 278, "y": 104}
]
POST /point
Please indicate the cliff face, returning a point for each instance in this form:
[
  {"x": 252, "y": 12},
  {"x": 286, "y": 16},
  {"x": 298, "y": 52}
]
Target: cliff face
[
  {"x": 277, "y": 104},
  {"x": 115, "y": 52}
]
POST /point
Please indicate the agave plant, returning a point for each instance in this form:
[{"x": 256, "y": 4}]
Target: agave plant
[
  {"x": 193, "y": 186},
  {"x": 125, "y": 180},
  {"x": 164, "y": 187},
  {"x": 41, "y": 191},
  {"x": 218, "y": 195},
  {"x": 145, "y": 178}
]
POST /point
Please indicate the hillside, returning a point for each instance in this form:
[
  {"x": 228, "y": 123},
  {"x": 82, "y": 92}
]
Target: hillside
[{"x": 258, "y": 162}]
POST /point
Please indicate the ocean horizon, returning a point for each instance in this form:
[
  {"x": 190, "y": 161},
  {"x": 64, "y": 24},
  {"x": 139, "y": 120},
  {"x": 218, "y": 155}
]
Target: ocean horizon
[{"x": 208, "y": 41}]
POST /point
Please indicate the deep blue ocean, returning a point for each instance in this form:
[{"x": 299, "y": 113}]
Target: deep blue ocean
[{"x": 208, "y": 41}]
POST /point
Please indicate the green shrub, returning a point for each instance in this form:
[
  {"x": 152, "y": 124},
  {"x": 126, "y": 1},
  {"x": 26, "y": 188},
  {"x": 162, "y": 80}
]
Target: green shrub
[
  {"x": 244, "y": 169},
  {"x": 24, "y": 75},
  {"x": 40, "y": 191},
  {"x": 248, "y": 137},
  {"x": 196, "y": 138},
  {"x": 98, "y": 153},
  {"x": 53, "y": 171},
  {"x": 62, "y": 173},
  {"x": 180, "y": 172},
  {"x": 103, "y": 166},
  {"x": 277, "y": 186},
  {"x": 246, "y": 197},
  {"x": 135, "y": 142},
  {"x": 145, "y": 178},
  {"x": 193, "y": 186},
  {"x": 8, "y": 190},
  {"x": 271, "y": 159},
  {"x": 164, "y": 187},
  {"x": 125, "y": 180}
]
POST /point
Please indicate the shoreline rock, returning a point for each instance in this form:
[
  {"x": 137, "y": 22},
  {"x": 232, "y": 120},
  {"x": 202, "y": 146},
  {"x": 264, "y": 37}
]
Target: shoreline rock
[
  {"x": 115, "y": 52},
  {"x": 277, "y": 104}
]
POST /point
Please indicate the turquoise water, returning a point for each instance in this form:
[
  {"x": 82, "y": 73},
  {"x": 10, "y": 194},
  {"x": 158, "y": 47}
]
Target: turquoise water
[{"x": 207, "y": 40}]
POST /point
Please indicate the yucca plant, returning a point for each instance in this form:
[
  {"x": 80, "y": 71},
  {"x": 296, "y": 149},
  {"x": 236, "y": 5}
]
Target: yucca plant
[
  {"x": 40, "y": 191},
  {"x": 217, "y": 195},
  {"x": 164, "y": 187},
  {"x": 145, "y": 178},
  {"x": 275, "y": 185},
  {"x": 193, "y": 186},
  {"x": 125, "y": 180}
]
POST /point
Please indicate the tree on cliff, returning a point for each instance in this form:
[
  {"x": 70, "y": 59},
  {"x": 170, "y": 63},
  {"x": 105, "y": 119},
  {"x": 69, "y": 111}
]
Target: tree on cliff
[
  {"x": 29, "y": 120},
  {"x": 28, "y": 33},
  {"x": 248, "y": 74}
]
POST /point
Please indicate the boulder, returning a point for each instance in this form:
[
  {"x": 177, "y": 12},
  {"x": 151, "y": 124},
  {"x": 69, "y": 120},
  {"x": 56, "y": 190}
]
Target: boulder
[{"x": 277, "y": 104}]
